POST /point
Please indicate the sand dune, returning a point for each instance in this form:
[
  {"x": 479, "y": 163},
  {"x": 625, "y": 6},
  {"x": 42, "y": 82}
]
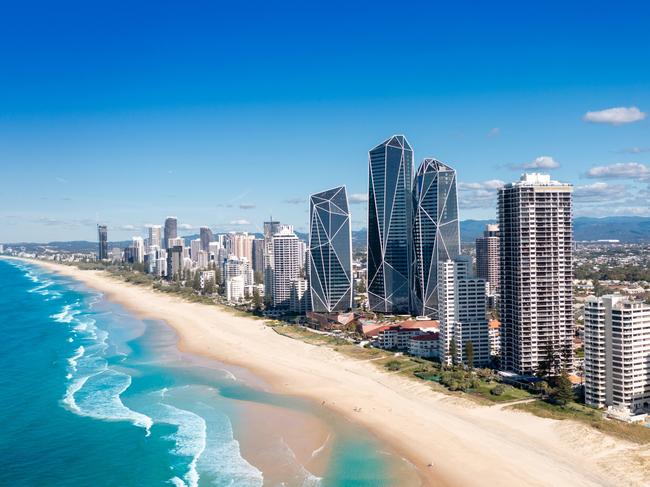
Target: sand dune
[{"x": 465, "y": 444}]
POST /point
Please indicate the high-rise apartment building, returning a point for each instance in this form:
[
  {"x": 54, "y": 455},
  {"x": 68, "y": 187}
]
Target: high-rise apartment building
[
  {"x": 330, "y": 251},
  {"x": 462, "y": 313},
  {"x": 155, "y": 236},
  {"x": 174, "y": 262},
  {"x": 137, "y": 244},
  {"x": 195, "y": 248},
  {"x": 299, "y": 296},
  {"x": 436, "y": 234},
  {"x": 205, "y": 235},
  {"x": 171, "y": 230},
  {"x": 271, "y": 227},
  {"x": 536, "y": 244},
  {"x": 487, "y": 257},
  {"x": 390, "y": 176},
  {"x": 286, "y": 265},
  {"x": 258, "y": 255},
  {"x": 102, "y": 234},
  {"x": 617, "y": 354}
]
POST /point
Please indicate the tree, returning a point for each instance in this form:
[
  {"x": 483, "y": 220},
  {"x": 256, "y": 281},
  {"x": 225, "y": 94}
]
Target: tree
[
  {"x": 257, "y": 300},
  {"x": 196, "y": 282},
  {"x": 453, "y": 351},
  {"x": 209, "y": 287},
  {"x": 469, "y": 354},
  {"x": 562, "y": 394},
  {"x": 549, "y": 365}
]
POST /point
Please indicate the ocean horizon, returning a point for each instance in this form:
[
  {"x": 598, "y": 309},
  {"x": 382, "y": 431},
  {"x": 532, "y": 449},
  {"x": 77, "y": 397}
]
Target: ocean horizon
[{"x": 93, "y": 395}]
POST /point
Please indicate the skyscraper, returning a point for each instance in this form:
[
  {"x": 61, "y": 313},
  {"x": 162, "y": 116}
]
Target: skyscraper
[
  {"x": 171, "y": 230},
  {"x": 102, "y": 234},
  {"x": 390, "y": 176},
  {"x": 330, "y": 251},
  {"x": 258, "y": 255},
  {"x": 487, "y": 257},
  {"x": 436, "y": 236},
  {"x": 536, "y": 244},
  {"x": 154, "y": 236},
  {"x": 205, "y": 234},
  {"x": 286, "y": 265},
  {"x": 271, "y": 227}
]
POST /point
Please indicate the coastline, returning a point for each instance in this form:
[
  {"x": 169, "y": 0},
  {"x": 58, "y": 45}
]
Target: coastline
[{"x": 463, "y": 442}]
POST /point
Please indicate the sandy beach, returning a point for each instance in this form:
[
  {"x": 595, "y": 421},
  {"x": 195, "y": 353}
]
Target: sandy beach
[{"x": 453, "y": 442}]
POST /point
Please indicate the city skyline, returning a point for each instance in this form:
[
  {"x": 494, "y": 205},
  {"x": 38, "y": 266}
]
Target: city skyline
[{"x": 171, "y": 108}]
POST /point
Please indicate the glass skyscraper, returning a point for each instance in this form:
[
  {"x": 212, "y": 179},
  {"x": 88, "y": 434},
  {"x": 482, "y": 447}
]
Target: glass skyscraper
[
  {"x": 330, "y": 251},
  {"x": 171, "y": 230},
  {"x": 390, "y": 175},
  {"x": 102, "y": 232},
  {"x": 436, "y": 236}
]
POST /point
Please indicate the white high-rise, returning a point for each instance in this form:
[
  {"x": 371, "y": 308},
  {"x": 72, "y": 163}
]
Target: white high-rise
[
  {"x": 462, "y": 309},
  {"x": 195, "y": 248},
  {"x": 487, "y": 257},
  {"x": 536, "y": 248},
  {"x": 617, "y": 353},
  {"x": 138, "y": 249},
  {"x": 286, "y": 265},
  {"x": 155, "y": 236}
]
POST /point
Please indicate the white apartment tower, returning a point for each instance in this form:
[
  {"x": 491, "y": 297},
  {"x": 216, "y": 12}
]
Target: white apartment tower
[
  {"x": 462, "y": 306},
  {"x": 617, "y": 353},
  {"x": 487, "y": 257},
  {"x": 536, "y": 302},
  {"x": 286, "y": 265},
  {"x": 155, "y": 236}
]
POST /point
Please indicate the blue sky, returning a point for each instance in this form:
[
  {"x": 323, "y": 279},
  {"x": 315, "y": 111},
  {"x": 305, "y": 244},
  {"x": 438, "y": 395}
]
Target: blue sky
[{"x": 223, "y": 113}]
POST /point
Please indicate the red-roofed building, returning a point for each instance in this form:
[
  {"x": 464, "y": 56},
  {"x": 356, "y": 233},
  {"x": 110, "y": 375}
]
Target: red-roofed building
[
  {"x": 396, "y": 337},
  {"x": 495, "y": 337},
  {"x": 426, "y": 345}
]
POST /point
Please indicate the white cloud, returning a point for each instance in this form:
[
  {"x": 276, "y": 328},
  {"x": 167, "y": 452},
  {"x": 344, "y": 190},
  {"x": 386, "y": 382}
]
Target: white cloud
[
  {"x": 634, "y": 150},
  {"x": 620, "y": 170},
  {"x": 186, "y": 226},
  {"x": 61, "y": 180},
  {"x": 494, "y": 132},
  {"x": 479, "y": 194},
  {"x": 356, "y": 198},
  {"x": 615, "y": 116},
  {"x": 541, "y": 162},
  {"x": 246, "y": 206},
  {"x": 127, "y": 227},
  {"x": 240, "y": 222},
  {"x": 599, "y": 191}
]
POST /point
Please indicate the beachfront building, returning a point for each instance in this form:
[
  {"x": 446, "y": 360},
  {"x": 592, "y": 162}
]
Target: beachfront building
[
  {"x": 299, "y": 299},
  {"x": 536, "y": 293},
  {"x": 234, "y": 266},
  {"x": 205, "y": 236},
  {"x": 137, "y": 246},
  {"x": 617, "y": 354},
  {"x": 286, "y": 265},
  {"x": 102, "y": 234},
  {"x": 170, "y": 231},
  {"x": 155, "y": 238},
  {"x": 271, "y": 227},
  {"x": 390, "y": 176},
  {"x": 436, "y": 235},
  {"x": 487, "y": 257},
  {"x": 206, "y": 277},
  {"x": 426, "y": 345},
  {"x": 235, "y": 289},
  {"x": 258, "y": 255},
  {"x": 175, "y": 262},
  {"x": 463, "y": 313},
  {"x": 396, "y": 337},
  {"x": 494, "y": 327},
  {"x": 330, "y": 251}
]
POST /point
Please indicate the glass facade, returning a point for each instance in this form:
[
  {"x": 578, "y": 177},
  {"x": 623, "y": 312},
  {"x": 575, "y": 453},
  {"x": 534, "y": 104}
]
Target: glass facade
[
  {"x": 436, "y": 235},
  {"x": 330, "y": 251},
  {"x": 390, "y": 177}
]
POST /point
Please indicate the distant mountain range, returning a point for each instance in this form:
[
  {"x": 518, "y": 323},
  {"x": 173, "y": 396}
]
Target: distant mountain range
[{"x": 627, "y": 229}]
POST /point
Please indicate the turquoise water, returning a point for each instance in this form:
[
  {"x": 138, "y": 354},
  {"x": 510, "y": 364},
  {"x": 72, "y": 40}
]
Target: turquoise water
[{"x": 93, "y": 396}]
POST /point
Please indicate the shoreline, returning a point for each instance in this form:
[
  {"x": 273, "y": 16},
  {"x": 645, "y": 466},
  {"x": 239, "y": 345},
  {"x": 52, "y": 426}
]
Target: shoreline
[{"x": 462, "y": 441}]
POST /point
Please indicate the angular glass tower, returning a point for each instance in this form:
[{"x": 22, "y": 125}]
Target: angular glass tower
[
  {"x": 436, "y": 236},
  {"x": 390, "y": 177},
  {"x": 330, "y": 251}
]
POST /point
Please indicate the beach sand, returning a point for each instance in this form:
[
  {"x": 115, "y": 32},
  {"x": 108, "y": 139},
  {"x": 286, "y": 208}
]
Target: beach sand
[{"x": 452, "y": 442}]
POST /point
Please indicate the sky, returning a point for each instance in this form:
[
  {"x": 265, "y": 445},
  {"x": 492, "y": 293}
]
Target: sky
[{"x": 225, "y": 113}]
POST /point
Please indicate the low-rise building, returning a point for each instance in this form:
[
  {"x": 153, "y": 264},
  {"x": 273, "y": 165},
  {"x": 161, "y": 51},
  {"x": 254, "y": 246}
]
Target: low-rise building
[
  {"x": 396, "y": 337},
  {"x": 235, "y": 289},
  {"x": 426, "y": 345}
]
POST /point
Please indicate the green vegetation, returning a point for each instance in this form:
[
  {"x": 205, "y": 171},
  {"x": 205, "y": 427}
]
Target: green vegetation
[
  {"x": 617, "y": 273},
  {"x": 589, "y": 416}
]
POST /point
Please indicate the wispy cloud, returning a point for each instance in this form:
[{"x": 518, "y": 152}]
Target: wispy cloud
[
  {"x": 599, "y": 191},
  {"x": 295, "y": 201},
  {"x": 541, "y": 162},
  {"x": 615, "y": 116},
  {"x": 479, "y": 194},
  {"x": 634, "y": 150},
  {"x": 61, "y": 180},
  {"x": 620, "y": 170},
  {"x": 127, "y": 228},
  {"x": 240, "y": 222},
  {"x": 358, "y": 198},
  {"x": 246, "y": 206},
  {"x": 494, "y": 132},
  {"x": 186, "y": 226}
]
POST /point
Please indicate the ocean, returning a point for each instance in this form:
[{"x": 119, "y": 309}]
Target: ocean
[{"x": 93, "y": 396}]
